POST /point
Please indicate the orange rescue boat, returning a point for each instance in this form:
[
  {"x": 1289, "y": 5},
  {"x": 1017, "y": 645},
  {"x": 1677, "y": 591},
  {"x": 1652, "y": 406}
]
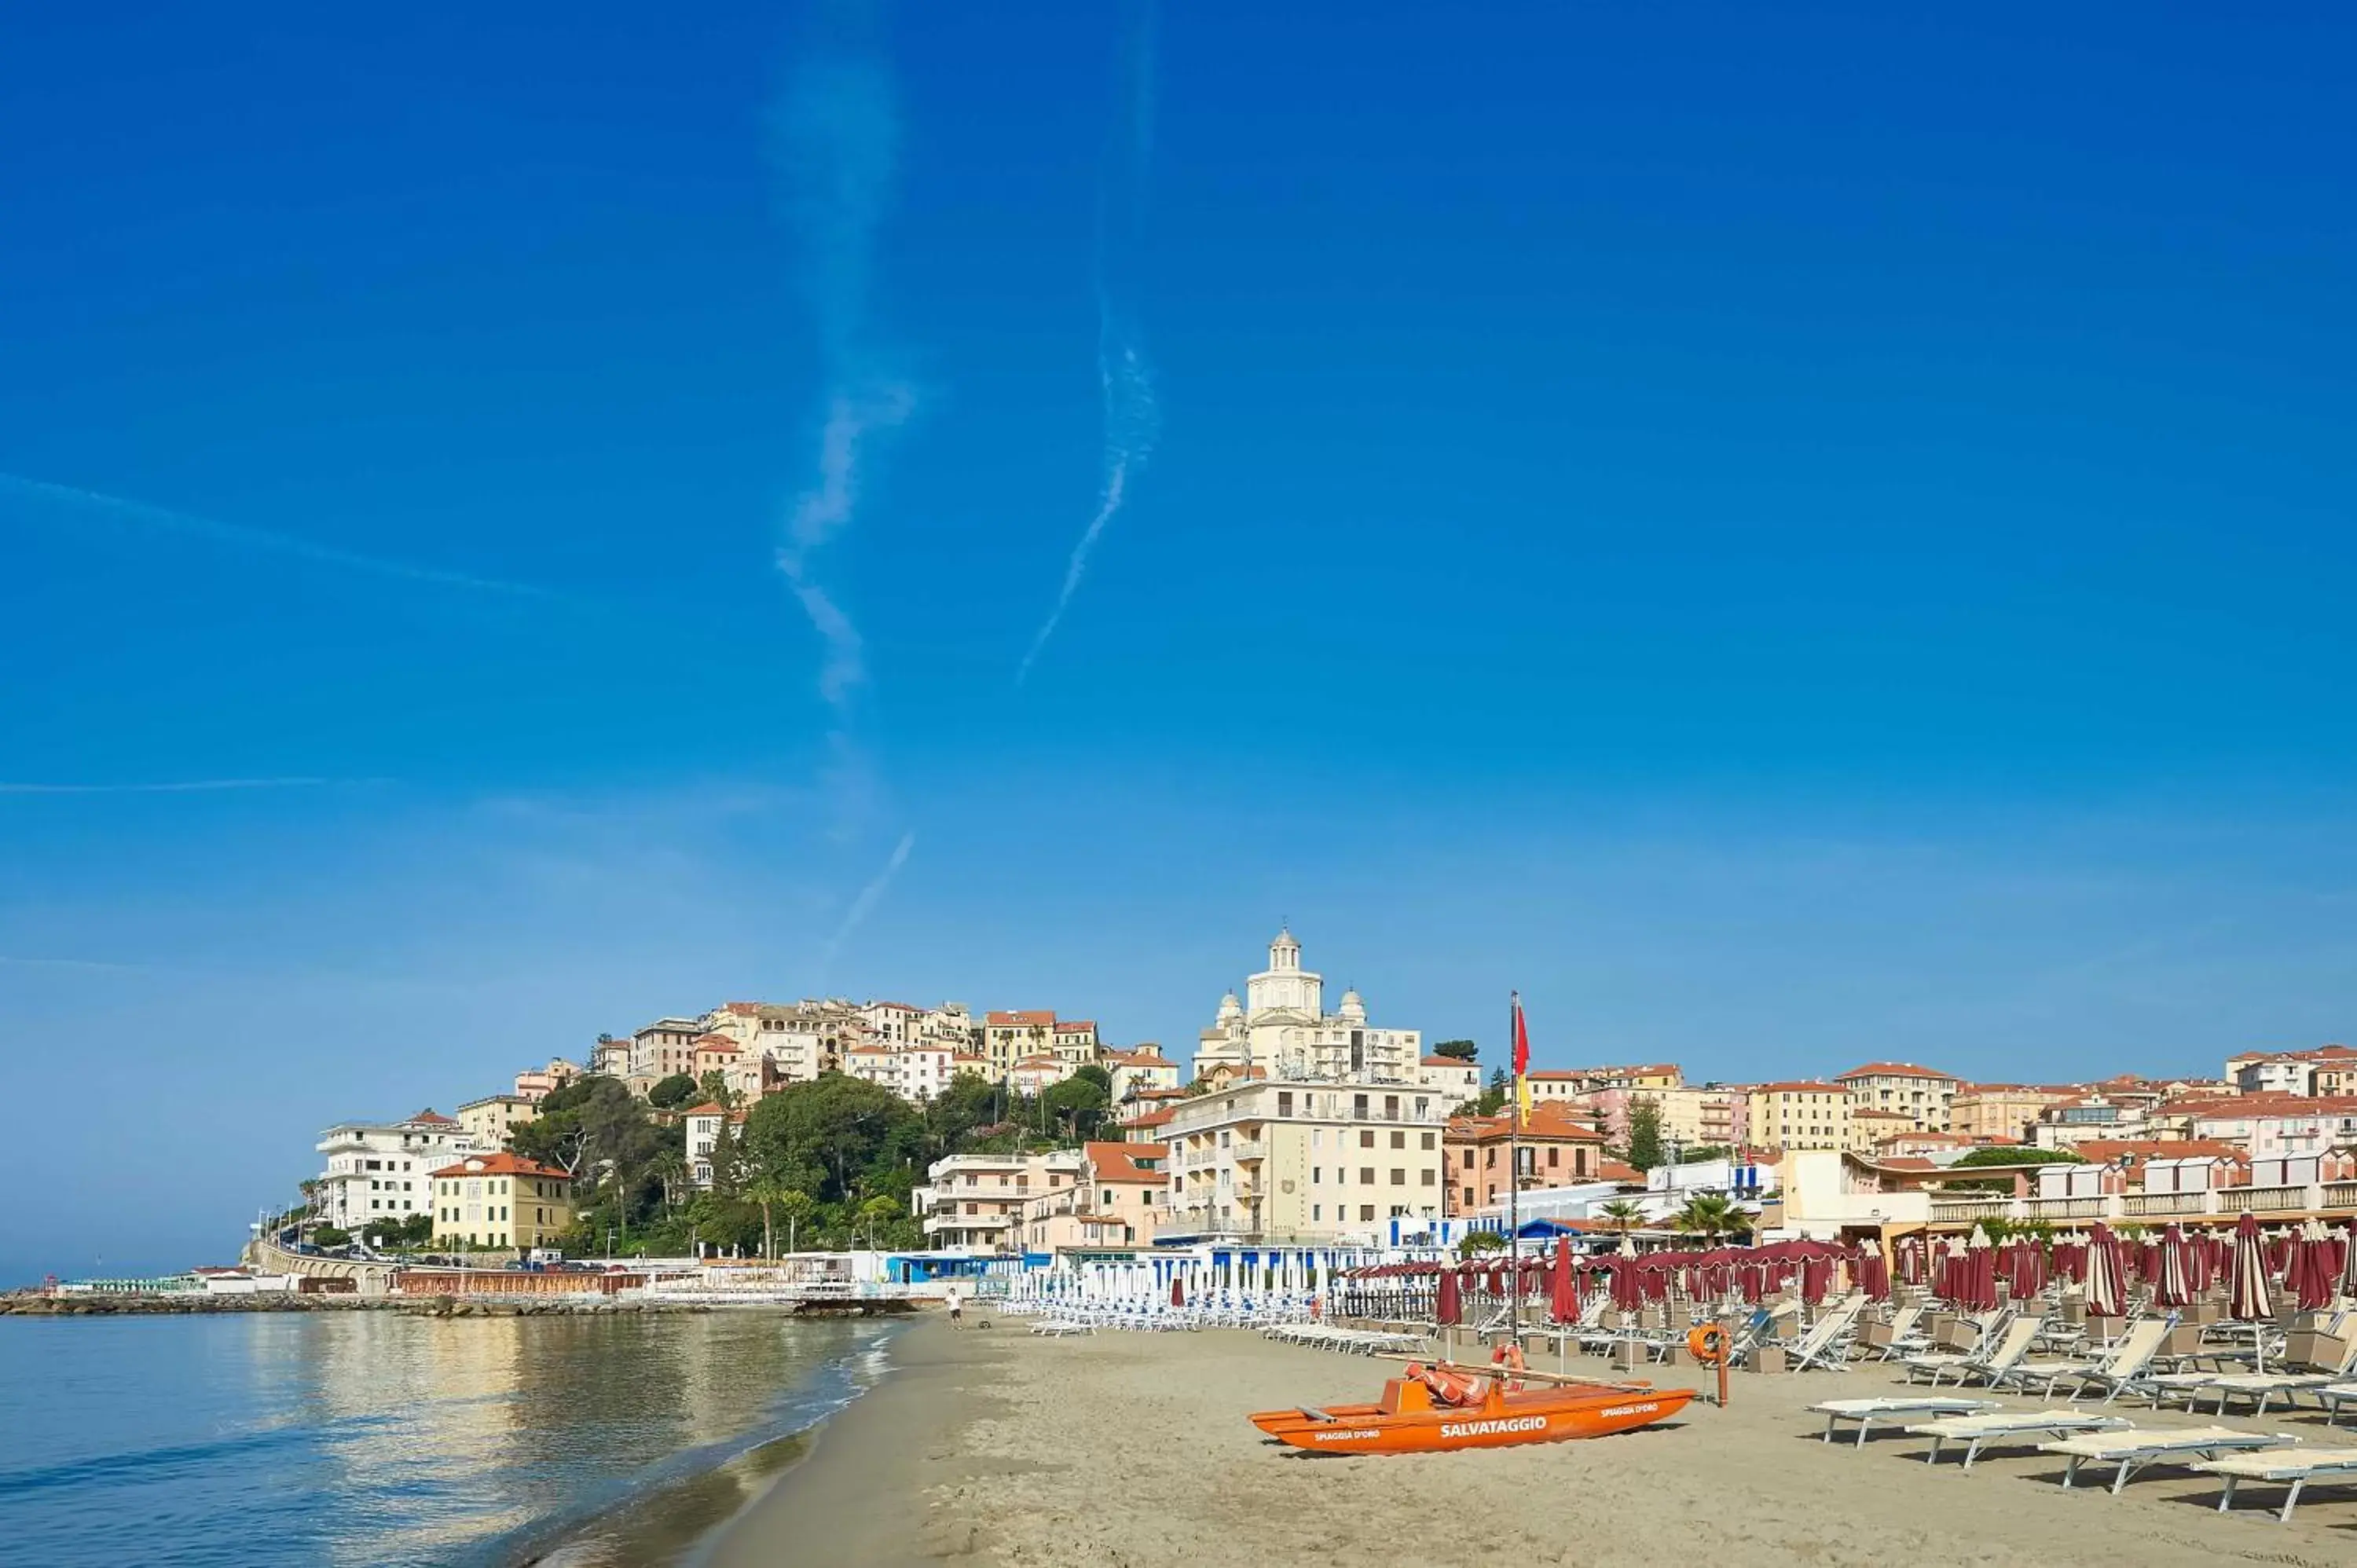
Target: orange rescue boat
[{"x": 1440, "y": 1408}]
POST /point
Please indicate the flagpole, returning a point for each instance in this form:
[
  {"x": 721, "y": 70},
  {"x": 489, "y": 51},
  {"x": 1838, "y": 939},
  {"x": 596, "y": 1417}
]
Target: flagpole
[{"x": 1514, "y": 1175}]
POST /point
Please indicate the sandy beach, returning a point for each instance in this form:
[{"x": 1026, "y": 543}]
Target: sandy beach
[{"x": 992, "y": 1447}]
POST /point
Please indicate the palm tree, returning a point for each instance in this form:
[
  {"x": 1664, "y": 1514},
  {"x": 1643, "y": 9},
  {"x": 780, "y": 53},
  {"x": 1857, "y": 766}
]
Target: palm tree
[
  {"x": 1623, "y": 1214},
  {"x": 769, "y": 1191},
  {"x": 1712, "y": 1215}
]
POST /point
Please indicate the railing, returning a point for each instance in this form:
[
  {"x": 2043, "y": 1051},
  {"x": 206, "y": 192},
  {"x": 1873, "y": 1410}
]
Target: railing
[
  {"x": 2262, "y": 1199},
  {"x": 2155, "y": 1205},
  {"x": 1955, "y": 1208},
  {"x": 2094, "y": 1208},
  {"x": 2340, "y": 1195},
  {"x": 1248, "y": 1149}
]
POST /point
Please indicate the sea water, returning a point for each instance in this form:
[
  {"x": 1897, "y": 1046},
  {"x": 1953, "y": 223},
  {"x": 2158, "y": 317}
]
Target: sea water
[{"x": 257, "y": 1439}]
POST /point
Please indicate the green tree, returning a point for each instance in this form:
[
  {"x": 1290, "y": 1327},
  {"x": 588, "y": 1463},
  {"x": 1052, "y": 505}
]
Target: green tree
[
  {"x": 596, "y": 1130},
  {"x": 1711, "y": 1214},
  {"x": 1624, "y": 1214},
  {"x": 1076, "y": 1107},
  {"x": 1458, "y": 1051},
  {"x": 672, "y": 1092},
  {"x": 2014, "y": 1156},
  {"x": 1474, "y": 1242},
  {"x": 713, "y": 1089},
  {"x": 328, "y": 1236},
  {"x": 834, "y": 1135},
  {"x": 1644, "y": 1149}
]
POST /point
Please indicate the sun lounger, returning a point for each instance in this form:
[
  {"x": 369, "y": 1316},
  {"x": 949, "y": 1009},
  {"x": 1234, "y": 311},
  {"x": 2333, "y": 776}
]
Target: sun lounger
[
  {"x": 2134, "y": 1348},
  {"x": 2297, "y": 1465},
  {"x": 2263, "y": 1387},
  {"x": 1992, "y": 1367},
  {"x": 2333, "y": 1398},
  {"x": 2133, "y": 1448},
  {"x": 1058, "y": 1327},
  {"x": 1897, "y": 1407},
  {"x": 1977, "y": 1431},
  {"x": 1987, "y": 1329},
  {"x": 1826, "y": 1344},
  {"x": 2129, "y": 1367}
]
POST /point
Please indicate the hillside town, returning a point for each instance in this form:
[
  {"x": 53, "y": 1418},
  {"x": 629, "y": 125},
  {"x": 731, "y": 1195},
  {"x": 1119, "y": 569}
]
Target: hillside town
[{"x": 1028, "y": 1133}]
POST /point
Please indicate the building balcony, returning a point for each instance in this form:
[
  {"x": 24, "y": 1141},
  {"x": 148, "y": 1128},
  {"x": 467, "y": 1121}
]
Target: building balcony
[{"x": 1248, "y": 1149}]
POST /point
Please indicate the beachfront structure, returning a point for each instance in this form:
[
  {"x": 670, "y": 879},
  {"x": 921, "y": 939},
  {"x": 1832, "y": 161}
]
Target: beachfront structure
[
  {"x": 502, "y": 1202},
  {"x": 976, "y": 1201},
  {"x": 1922, "y": 1093},
  {"x": 1304, "y": 1159},
  {"x": 1556, "y": 1145},
  {"x": 1798, "y": 1115},
  {"x": 1282, "y": 1029},
  {"x": 378, "y": 1170},
  {"x": 488, "y": 1121}
]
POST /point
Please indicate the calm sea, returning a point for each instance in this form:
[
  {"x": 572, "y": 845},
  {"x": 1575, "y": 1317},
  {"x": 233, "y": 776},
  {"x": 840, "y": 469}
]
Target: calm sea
[{"x": 375, "y": 1438}]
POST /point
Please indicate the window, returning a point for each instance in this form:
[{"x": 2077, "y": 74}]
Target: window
[
  {"x": 1428, "y": 1141},
  {"x": 1555, "y": 1156},
  {"x": 1367, "y": 1211},
  {"x": 1367, "y": 1176},
  {"x": 1317, "y": 1174},
  {"x": 1317, "y": 1211},
  {"x": 1431, "y": 1176},
  {"x": 1367, "y": 1140},
  {"x": 1284, "y": 1104},
  {"x": 1489, "y": 1158},
  {"x": 1468, "y": 1198},
  {"x": 1399, "y": 1139},
  {"x": 1399, "y": 1176}
]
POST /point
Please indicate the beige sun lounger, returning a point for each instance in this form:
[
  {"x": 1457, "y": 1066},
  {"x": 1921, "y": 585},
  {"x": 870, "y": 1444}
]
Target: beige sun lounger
[
  {"x": 2262, "y": 1387},
  {"x": 2133, "y": 1448},
  {"x": 2297, "y": 1465},
  {"x": 2333, "y": 1397},
  {"x": 2131, "y": 1352},
  {"x": 1993, "y": 1368},
  {"x": 2001, "y": 1427},
  {"x": 1866, "y": 1412}
]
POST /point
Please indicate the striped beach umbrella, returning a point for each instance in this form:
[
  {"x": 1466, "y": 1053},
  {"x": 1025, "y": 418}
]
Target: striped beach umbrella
[
  {"x": 2107, "y": 1282},
  {"x": 2246, "y": 1295},
  {"x": 2176, "y": 1287}
]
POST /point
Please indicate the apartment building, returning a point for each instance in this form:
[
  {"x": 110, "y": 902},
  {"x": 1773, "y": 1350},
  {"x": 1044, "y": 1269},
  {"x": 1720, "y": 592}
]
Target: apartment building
[
  {"x": 664, "y": 1047},
  {"x": 1798, "y": 1116},
  {"x": 2327, "y": 1069},
  {"x": 1999, "y": 1110},
  {"x": 1923, "y": 1094},
  {"x": 976, "y": 1201},
  {"x": 1009, "y": 1037},
  {"x": 1557, "y": 1148},
  {"x": 488, "y": 1121},
  {"x": 382, "y": 1170},
  {"x": 1121, "y": 1199},
  {"x": 1139, "y": 1071},
  {"x": 537, "y": 1083},
  {"x": 1304, "y": 1159},
  {"x": 914, "y": 1072},
  {"x": 1454, "y": 1080}
]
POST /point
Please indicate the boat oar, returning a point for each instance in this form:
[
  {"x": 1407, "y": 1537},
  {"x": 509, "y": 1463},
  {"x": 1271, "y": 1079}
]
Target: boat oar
[{"x": 1492, "y": 1369}]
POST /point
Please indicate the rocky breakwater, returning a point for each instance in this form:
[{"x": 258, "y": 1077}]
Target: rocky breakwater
[
  {"x": 536, "y": 1306},
  {"x": 40, "y": 1304}
]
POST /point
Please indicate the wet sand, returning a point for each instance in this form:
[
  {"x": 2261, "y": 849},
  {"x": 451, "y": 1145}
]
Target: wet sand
[{"x": 993, "y": 1447}]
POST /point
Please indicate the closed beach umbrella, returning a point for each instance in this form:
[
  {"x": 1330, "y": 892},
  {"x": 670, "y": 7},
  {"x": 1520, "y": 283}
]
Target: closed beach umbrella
[
  {"x": 1873, "y": 1274},
  {"x": 1816, "y": 1273},
  {"x": 2246, "y": 1295},
  {"x": 1628, "y": 1294},
  {"x": 1177, "y": 1291},
  {"x": 1449, "y": 1309},
  {"x": 2312, "y": 1273},
  {"x": 1563, "y": 1285},
  {"x": 2176, "y": 1288},
  {"x": 2108, "y": 1283}
]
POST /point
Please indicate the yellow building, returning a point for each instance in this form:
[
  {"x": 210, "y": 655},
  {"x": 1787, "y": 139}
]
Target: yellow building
[
  {"x": 1781, "y": 1116},
  {"x": 1999, "y": 1110},
  {"x": 502, "y": 1202},
  {"x": 488, "y": 1121}
]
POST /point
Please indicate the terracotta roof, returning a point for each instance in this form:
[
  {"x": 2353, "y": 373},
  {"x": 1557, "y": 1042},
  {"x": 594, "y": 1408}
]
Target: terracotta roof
[
  {"x": 1018, "y": 1020},
  {"x": 1897, "y": 1069},
  {"x": 1863, "y": 1112},
  {"x": 742, "y": 1009},
  {"x": 1613, "y": 1170},
  {"x": 895, "y": 1007},
  {"x": 1041, "y": 1061},
  {"x": 1802, "y": 1088},
  {"x": 501, "y": 1164},
  {"x": 1075, "y": 1026},
  {"x": 706, "y": 1109},
  {"x": 1547, "y": 1121},
  {"x": 1147, "y": 1119},
  {"x": 1906, "y": 1163},
  {"x": 2136, "y": 1151},
  {"x": 1454, "y": 1061},
  {"x": 1117, "y": 1163},
  {"x": 430, "y": 1117},
  {"x": 720, "y": 1045}
]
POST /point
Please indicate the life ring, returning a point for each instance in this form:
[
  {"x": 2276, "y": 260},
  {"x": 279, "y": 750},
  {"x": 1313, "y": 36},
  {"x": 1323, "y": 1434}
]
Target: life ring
[
  {"x": 1707, "y": 1344},
  {"x": 1446, "y": 1388},
  {"x": 1509, "y": 1359}
]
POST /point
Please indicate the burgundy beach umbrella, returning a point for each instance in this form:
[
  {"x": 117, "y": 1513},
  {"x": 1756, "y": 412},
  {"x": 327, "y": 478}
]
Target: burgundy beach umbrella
[
  {"x": 2107, "y": 1282},
  {"x": 1873, "y": 1274},
  {"x": 2247, "y": 1300},
  {"x": 2311, "y": 1275},
  {"x": 1981, "y": 1259},
  {"x": 2176, "y": 1288},
  {"x": 1563, "y": 1285},
  {"x": 1177, "y": 1291},
  {"x": 1448, "y": 1306},
  {"x": 1816, "y": 1275},
  {"x": 1628, "y": 1290}
]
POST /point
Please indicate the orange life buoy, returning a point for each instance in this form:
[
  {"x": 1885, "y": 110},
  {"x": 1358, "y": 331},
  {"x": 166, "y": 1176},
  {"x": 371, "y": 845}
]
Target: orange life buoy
[
  {"x": 1707, "y": 1344},
  {"x": 1510, "y": 1358},
  {"x": 1446, "y": 1388}
]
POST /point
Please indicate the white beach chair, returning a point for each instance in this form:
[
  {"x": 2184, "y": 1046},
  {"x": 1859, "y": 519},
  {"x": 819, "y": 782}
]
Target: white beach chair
[
  {"x": 2298, "y": 1466},
  {"x": 1993, "y": 1368},
  {"x": 1903, "y": 1340},
  {"x": 1894, "y": 1407},
  {"x": 2137, "y": 1345},
  {"x": 2129, "y": 1368},
  {"x": 2262, "y": 1388},
  {"x": 2007, "y": 1426},
  {"x": 2133, "y": 1448},
  {"x": 1826, "y": 1344}
]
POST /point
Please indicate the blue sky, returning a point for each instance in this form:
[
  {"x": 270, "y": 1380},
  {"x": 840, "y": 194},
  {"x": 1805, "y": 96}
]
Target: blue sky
[{"x": 1788, "y": 539}]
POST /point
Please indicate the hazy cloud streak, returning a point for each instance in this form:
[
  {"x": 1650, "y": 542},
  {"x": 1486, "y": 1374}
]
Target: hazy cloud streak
[
  {"x": 179, "y": 786},
  {"x": 865, "y": 905},
  {"x": 835, "y": 138},
  {"x": 241, "y": 536},
  {"x": 1133, "y": 415}
]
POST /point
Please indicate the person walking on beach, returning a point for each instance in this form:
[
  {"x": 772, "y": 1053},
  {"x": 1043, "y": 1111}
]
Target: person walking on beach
[{"x": 957, "y": 1308}]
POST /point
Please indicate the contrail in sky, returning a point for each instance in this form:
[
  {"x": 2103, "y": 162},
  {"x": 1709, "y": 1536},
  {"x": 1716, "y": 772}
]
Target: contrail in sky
[
  {"x": 1133, "y": 415},
  {"x": 238, "y": 535},
  {"x": 835, "y": 137},
  {"x": 869, "y": 897},
  {"x": 174, "y": 786}
]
